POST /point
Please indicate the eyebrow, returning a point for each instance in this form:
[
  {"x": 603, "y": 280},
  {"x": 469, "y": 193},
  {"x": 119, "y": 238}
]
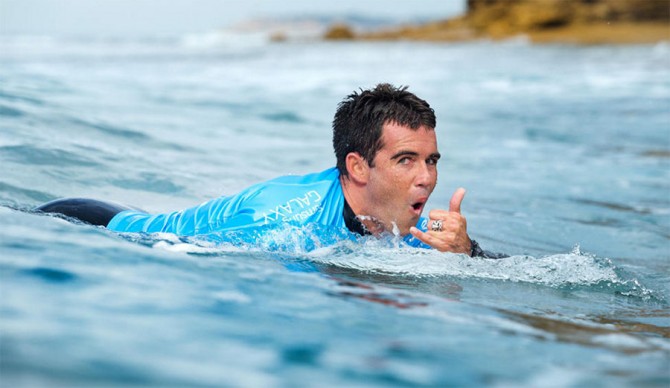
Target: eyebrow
[{"x": 402, "y": 153}]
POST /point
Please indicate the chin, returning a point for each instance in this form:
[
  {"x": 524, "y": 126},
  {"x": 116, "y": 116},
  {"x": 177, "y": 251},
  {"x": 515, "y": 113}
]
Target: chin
[{"x": 404, "y": 228}]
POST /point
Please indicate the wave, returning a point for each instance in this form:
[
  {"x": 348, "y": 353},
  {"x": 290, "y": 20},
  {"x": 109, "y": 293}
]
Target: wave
[
  {"x": 222, "y": 39},
  {"x": 389, "y": 257},
  {"x": 29, "y": 48},
  {"x": 245, "y": 35},
  {"x": 263, "y": 30},
  {"x": 558, "y": 270}
]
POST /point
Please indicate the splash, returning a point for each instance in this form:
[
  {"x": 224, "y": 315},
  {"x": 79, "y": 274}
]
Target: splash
[
  {"x": 390, "y": 256},
  {"x": 286, "y": 239},
  {"x": 570, "y": 270}
]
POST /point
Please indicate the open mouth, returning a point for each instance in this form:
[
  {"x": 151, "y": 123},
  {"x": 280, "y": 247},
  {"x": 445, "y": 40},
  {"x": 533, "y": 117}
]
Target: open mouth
[{"x": 418, "y": 206}]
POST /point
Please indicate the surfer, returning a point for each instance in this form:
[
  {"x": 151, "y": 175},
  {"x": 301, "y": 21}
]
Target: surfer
[{"x": 386, "y": 149}]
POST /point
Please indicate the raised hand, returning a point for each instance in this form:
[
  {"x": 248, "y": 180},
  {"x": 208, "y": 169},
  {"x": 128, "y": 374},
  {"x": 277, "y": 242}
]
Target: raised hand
[{"x": 447, "y": 230}]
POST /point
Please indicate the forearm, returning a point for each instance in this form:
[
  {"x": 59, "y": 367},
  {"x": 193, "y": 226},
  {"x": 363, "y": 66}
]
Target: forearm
[{"x": 477, "y": 251}]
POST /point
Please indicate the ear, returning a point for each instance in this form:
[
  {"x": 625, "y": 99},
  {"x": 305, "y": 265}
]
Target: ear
[{"x": 357, "y": 167}]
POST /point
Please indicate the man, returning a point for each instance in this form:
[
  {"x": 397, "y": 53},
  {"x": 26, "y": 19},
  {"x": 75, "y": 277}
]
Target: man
[{"x": 386, "y": 149}]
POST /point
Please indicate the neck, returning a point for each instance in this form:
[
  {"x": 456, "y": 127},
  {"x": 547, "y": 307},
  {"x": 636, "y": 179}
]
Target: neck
[{"x": 354, "y": 194}]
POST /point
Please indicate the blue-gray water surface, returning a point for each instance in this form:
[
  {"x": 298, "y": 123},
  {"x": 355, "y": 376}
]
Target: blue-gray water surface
[{"x": 564, "y": 150}]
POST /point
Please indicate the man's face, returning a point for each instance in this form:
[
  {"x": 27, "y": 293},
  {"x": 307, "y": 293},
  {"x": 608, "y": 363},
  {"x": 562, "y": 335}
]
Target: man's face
[{"x": 403, "y": 177}]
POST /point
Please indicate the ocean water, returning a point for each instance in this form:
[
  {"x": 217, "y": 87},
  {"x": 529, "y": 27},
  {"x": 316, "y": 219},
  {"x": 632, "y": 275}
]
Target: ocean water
[{"x": 564, "y": 150}]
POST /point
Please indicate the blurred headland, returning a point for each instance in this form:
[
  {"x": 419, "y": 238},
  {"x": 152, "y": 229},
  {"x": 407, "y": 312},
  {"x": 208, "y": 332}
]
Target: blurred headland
[{"x": 540, "y": 21}]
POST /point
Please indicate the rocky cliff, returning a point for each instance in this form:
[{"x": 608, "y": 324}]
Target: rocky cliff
[{"x": 569, "y": 21}]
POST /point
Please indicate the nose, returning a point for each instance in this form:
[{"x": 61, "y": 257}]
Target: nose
[{"x": 425, "y": 176}]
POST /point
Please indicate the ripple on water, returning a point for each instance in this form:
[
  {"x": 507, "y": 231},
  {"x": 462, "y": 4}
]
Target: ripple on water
[
  {"x": 17, "y": 97},
  {"x": 110, "y": 129},
  {"x": 149, "y": 182},
  {"x": 51, "y": 275},
  {"x": 285, "y": 116},
  {"x": 18, "y": 196},
  {"x": 6, "y": 111},
  {"x": 30, "y": 154}
]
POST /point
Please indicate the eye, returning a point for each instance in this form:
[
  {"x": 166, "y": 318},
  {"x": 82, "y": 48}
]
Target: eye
[
  {"x": 404, "y": 160},
  {"x": 432, "y": 161}
]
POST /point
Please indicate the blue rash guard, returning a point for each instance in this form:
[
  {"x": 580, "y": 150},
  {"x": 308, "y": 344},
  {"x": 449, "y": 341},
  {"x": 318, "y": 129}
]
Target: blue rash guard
[{"x": 298, "y": 200}]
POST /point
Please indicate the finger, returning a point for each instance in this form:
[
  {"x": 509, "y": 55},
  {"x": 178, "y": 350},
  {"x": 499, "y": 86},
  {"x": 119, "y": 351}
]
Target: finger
[
  {"x": 456, "y": 199},
  {"x": 450, "y": 220},
  {"x": 422, "y": 236},
  {"x": 454, "y": 221},
  {"x": 438, "y": 214}
]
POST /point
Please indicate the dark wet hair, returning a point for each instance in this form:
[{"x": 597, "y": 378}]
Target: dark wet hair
[{"x": 358, "y": 122}]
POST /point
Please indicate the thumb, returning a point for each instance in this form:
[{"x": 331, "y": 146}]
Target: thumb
[{"x": 456, "y": 199}]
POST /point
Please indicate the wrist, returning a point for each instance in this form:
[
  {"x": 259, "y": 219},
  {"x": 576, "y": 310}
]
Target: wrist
[{"x": 475, "y": 250}]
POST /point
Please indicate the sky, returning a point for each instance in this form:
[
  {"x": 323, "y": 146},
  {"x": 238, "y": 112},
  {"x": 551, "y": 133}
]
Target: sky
[{"x": 157, "y": 17}]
